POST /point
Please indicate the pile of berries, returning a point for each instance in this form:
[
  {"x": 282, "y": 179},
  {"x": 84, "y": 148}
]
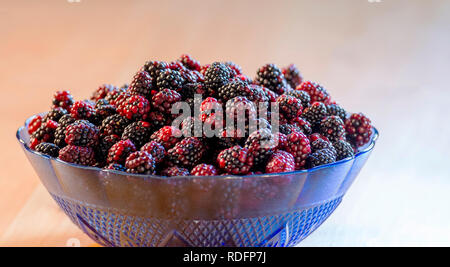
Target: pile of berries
[{"x": 132, "y": 128}]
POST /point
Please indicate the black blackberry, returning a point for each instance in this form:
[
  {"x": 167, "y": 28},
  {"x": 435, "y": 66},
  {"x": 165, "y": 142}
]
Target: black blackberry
[
  {"x": 187, "y": 153},
  {"x": 175, "y": 171},
  {"x": 49, "y": 149},
  {"x": 112, "y": 95},
  {"x": 320, "y": 144},
  {"x": 336, "y": 110},
  {"x": 235, "y": 160},
  {"x": 229, "y": 138},
  {"x": 217, "y": 75},
  {"x": 321, "y": 157},
  {"x": 270, "y": 76},
  {"x": 78, "y": 155},
  {"x": 169, "y": 79},
  {"x": 142, "y": 84},
  {"x": 138, "y": 132},
  {"x": 140, "y": 162},
  {"x": 343, "y": 150},
  {"x": 155, "y": 149},
  {"x": 158, "y": 120},
  {"x": 116, "y": 167},
  {"x": 292, "y": 75},
  {"x": 55, "y": 114},
  {"x": 154, "y": 67},
  {"x": 261, "y": 144},
  {"x": 45, "y": 133},
  {"x": 192, "y": 126},
  {"x": 82, "y": 133},
  {"x": 235, "y": 69},
  {"x": 303, "y": 124},
  {"x": 290, "y": 107},
  {"x": 315, "y": 113},
  {"x": 103, "y": 110},
  {"x": 332, "y": 127},
  {"x": 302, "y": 95},
  {"x": 190, "y": 89},
  {"x": 233, "y": 89},
  {"x": 105, "y": 143},
  {"x": 289, "y": 128},
  {"x": 60, "y": 132},
  {"x": 114, "y": 124}
]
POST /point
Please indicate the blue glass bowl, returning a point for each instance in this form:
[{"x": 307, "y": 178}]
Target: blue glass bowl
[{"x": 120, "y": 209}]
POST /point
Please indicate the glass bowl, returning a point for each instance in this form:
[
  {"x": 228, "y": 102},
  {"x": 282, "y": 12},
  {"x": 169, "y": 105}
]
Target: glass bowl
[{"x": 119, "y": 209}]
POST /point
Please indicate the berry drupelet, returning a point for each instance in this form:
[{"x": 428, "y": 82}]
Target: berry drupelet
[
  {"x": 235, "y": 160},
  {"x": 49, "y": 149},
  {"x": 359, "y": 129},
  {"x": 140, "y": 162}
]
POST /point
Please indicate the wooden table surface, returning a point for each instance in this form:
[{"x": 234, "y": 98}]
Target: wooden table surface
[{"x": 390, "y": 60}]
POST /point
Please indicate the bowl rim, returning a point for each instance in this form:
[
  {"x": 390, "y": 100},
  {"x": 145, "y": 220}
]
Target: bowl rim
[{"x": 367, "y": 149}]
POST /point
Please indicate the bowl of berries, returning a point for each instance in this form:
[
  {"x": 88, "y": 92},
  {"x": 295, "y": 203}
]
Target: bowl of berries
[{"x": 199, "y": 155}]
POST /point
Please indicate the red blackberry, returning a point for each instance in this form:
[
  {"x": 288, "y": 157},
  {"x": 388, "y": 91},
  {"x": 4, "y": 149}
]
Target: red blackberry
[
  {"x": 289, "y": 128},
  {"x": 359, "y": 129},
  {"x": 158, "y": 120},
  {"x": 332, "y": 127},
  {"x": 209, "y": 105},
  {"x": 164, "y": 99},
  {"x": 320, "y": 144},
  {"x": 261, "y": 144},
  {"x": 235, "y": 160},
  {"x": 315, "y": 91},
  {"x": 120, "y": 99},
  {"x": 336, "y": 110},
  {"x": 34, "y": 124},
  {"x": 55, "y": 114},
  {"x": 242, "y": 110},
  {"x": 280, "y": 161},
  {"x": 175, "y": 171},
  {"x": 217, "y": 75},
  {"x": 290, "y": 106},
  {"x": 299, "y": 147},
  {"x": 189, "y": 62},
  {"x": 60, "y": 132},
  {"x": 343, "y": 150},
  {"x": 120, "y": 151},
  {"x": 169, "y": 79},
  {"x": 116, "y": 167},
  {"x": 138, "y": 132},
  {"x": 204, "y": 170},
  {"x": 292, "y": 75},
  {"x": 45, "y": 133},
  {"x": 81, "y": 110},
  {"x": 167, "y": 136},
  {"x": 114, "y": 124},
  {"x": 49, "y": 149},
  {"x": 271, "y": 95},
  {"x": 304, "y": 125},
  {"x": 244, "y": 78},
  {"x": 235, "y": 69},
  {"x": 62, "y": 99},
  {"x": 280, "y": 141},
  {"x": 135, "y": 107},
  {"x": 154, "y": 67},
  {"x": 82, "y": 133},
  {"x": 315, "y": 136},
  {"x": 234, "y": 89},
  {"x": 155, "y": 149},
  {"x": 78, "y": 155},
  {"x": 321, "y": 157},
  {"x": 102, "y": 91},
  {"x": 112, "y": 95},
  {"x": 142, "y": 85},
  {"x": 105, "y": 144},
  {"x": 302, "y": 95},
  {"x": 140, "y": 162},
  {"x": 270, "y": 76},
  {"x": 315, "y": 113},
  {"x": 187, "y": 153}
]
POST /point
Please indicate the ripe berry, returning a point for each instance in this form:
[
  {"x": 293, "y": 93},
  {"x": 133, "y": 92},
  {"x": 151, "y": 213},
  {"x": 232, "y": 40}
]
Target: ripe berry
[
  {"x": 112, "y": 95},
  {"x": 234, "y": 89},
  {"x": 142, "y": 85},
  {"x": 169, "y": 79},
  {"x": 187, "y": 153},
  {"x": 138, "y": 132},
  {"x": 270, "y": 76},
  {"x": 116, "y": 167},
  {"x": 315, "y": 91},
  {"x": 155, "y": 149},
  {"x": 49, "y": 149},
  {"x": 320, "y": 144},
  {"x": 120, "y": 151},
  {"x": 175, "y": 171},
  {"x": 62, "y": 99},
  {"x": 189, "y": 62},
  {"x": 217, "y": 75},
  {"x": 140, "y": 162},
  {"x": 78, "y": 155},
  {"x": 235, "y": 160},
  {"x": 332, "y": 127},
  {"x": 359, "y": 129},
  {"x": 81, "y": 110},
  {"x": 167, "y": 136},
  {"x": 55, "y": 114},
  {"x": 204, "y": 170},
  {"x": 164, "y": 99},
  {"x": 60, "y": 132},
  {"x": 102, "y": 91},
  {"x": 292, "y": 75},
  {"x": 235, "y": 69},
  {"x": 82, "y": 133},
  {"x": 290, "y": 107},
  {"x": 34, "y": 124},
  {"x": 261, "y": 144},
  {"x": 302, "y": 95},
  {"x": 135, "y": 107},
  {"x": 45, "y": 133},
  {"x": 114, "y": 125},
  {"x": 321, "y": 157},
  {"x": 343, "y": 150},
  {"x": 105, "y": 143},
  {"x": 154, "y": 67},
  {"x": 304, "y": 125},
  {"x": 315, "y": 113},
  {"x": 299, "y": 147},
  {"x": 280, "y": 161},
  {"x": 336, "y": 110}
]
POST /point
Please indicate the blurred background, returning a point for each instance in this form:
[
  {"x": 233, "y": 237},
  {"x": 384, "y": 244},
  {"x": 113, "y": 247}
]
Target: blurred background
[{"x": 388, "y": 58}]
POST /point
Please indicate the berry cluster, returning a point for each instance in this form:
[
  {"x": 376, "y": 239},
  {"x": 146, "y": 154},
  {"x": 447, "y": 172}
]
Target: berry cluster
[{"x": 130, "y": 128}]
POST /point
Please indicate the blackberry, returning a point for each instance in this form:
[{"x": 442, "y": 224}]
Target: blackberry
[
  {"x": 49, "y": 149},
  {"x": 315, "y": 136},
  {"x": 336, "y": 110},
  {"x": 343, "y": 150},
  {"x": 292, "y": 75},
  {"x": 304, "y": 125},
  {"x": 271, "y": 95},
  {"x": 270, "y": 76},
  {"x": 204, "y": 170},
  {"x": 102, "y": 91},
  {"x": 142, "y": 84},
  {"x": 34, "y": 124},
  {"x": 332, "y": 127},
  {"x": 62, "y": 99},
  {"x": 187, "y": 153},
  {"x": 359, "y": 129},
  {"x": 289, "y": 128},
  {"x": 315, "y": 113},
  {"x": 45, "y": 133},
  {"x": 321, "y": 157},
  {"x": 112, "y": 95},
  {"x": 82, "y": 133},
  {"x": 105, "y": 143},
  {"x": 78, "y": 155},
  {"x": 154, "y": 67},
  {"x": 235, "y": 69},
  {"x": 315, "y": 91},
  {"x": 234, "y": 89},
  {"x": 261, "y": 144},
  {"x": 190, "y": 89},
  {"x": 164, "y": 99},
  {"x": 299, "y": 147},
  {"x": 103, "y": 110},
  {"x": 138, "y": 132},
  {"x": 280, "y": 141},
  {"x": 280, "y": 161},
  {"x": 235, "y": 160},
  {"x": 217, "y": 75},
  {"x": 289, "y": 106},
  {"x": 140, "y": 162},
  {"x": 189, "y": 62},
  {"x": 158, "y": 120},
  {"x": 55, "y": 114},
  {"x": 302, "y": 95},
  {"x": 114, "y": 124},
  {"x": 81, "y": 110},
  {"x": 191, "y": 126},
  {"x": 116, "y": 167},
  {"x": 175, "y": 171},
  {"x": 119, "y": 152},
  {"x": 135, "y": 107},
  {"x": 60, "y": 132},
  {"x": 230, "y": 137},
  {"x": 155, "y": 149},
  {"x": 242, "y": 110},
  {"x": 167, "y": 136},
  {"x": 169, "y": 79},
  {"x": 320, "y": 144}
]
